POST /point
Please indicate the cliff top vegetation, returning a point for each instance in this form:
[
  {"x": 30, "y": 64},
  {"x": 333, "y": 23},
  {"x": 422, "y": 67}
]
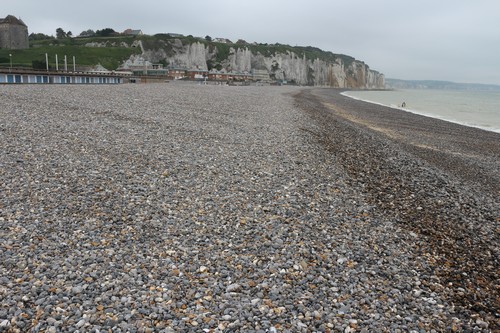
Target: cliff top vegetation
[
  {"x": 114, "y": 48},
  {"x": 223, "y": 47}
]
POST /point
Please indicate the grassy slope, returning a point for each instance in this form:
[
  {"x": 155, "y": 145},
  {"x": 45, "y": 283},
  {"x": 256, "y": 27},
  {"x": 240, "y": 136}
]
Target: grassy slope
[{"x": 110, "y": 57}]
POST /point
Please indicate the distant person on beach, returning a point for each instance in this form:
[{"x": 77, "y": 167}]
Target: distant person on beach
[{"x": 403, "y": 105}]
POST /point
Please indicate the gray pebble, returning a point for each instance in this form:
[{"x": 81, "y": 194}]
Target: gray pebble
[{"x": 177, "y": 207}]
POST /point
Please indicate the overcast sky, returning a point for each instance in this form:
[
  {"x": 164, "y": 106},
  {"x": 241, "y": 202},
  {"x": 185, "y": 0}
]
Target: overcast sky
[{"x": 454, "y": 40}]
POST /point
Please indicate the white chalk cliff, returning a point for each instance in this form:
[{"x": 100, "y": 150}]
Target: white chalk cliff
[{"x": 332, "y": 70}]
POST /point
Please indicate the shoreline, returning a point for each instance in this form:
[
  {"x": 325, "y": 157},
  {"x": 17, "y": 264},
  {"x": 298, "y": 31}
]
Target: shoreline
[
  {"x": 429, "y": 138},
  {"x": 436, "y": 178},
  {"x": 425, "y": 114}
]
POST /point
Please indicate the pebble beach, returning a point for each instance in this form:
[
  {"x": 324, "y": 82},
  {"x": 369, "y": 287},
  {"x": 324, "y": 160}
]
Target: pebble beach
[{"x": 191, "y": 208}]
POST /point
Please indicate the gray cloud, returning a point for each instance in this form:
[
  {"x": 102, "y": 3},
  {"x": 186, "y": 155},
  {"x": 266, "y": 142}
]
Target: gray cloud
[{"x": 456, "y": 40}]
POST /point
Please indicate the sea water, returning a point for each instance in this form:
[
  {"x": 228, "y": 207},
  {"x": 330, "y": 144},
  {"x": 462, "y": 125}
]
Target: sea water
[{"x": 471, "y": 108}]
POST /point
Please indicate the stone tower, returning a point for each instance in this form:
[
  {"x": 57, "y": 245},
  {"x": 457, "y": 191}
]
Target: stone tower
[{"x": 13, "y": 33}]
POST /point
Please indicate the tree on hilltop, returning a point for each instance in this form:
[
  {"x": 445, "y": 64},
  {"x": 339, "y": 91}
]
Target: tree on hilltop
[
  {"x": 87, "y": 33},
  {"x": 39, "y": 36},
  {"x": 60, "y": 33},
  {"x": 107, "y": 32}
]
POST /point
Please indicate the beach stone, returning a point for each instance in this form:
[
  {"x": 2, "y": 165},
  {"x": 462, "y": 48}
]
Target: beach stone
[
  {"x": 235, "y": 287},
  {"x": 80, "y": 323},
  {"x": 77, "y": 289},
  {"x": 180, "y": 207}
]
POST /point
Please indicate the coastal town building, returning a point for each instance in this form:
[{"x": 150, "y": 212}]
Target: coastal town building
[
  {"x": 132, "y": 32},
  {"x": 176, "y": 73},
  {"x": 17, "y": 76},
  {"x": 231, "y": 76},
  {"x": 197, "y": 74},
  {"x": 144, "y": 71},
  {"x": 13, "y": 33},
  {"x": 261, "y": 75}
]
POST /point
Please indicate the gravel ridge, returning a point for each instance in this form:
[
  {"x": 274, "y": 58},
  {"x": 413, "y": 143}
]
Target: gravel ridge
[{"x": 188, "y": 208}]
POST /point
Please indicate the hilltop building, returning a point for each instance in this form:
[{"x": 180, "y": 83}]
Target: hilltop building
[
  {"x": 13, "y": 33},
  {"x": 132, "y": 32}
]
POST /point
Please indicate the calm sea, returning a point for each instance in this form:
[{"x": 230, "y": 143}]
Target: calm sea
[{"x": 471, "y": 108}]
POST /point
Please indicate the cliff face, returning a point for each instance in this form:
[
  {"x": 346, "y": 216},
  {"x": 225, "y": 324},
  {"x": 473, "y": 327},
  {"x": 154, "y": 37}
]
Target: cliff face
[{"x": 332, "y": 71}]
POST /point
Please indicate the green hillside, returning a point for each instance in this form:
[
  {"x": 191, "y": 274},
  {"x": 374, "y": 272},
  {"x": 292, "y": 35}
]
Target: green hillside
[{"x": 110, "y": 56}]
